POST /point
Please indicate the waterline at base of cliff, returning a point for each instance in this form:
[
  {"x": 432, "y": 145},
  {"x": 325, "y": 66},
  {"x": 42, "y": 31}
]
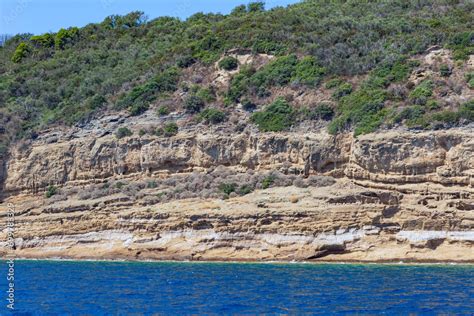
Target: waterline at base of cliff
[{"x": 222, "y": 288}]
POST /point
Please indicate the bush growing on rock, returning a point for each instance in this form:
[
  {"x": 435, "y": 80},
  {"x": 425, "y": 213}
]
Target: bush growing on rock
[
  {"x": 276, "y": 117},
  {"x": 322, "y": 112},
  {"x": 123, "y": 132},
  {"x": 334, "y": 83},
  {"x": 213, "y": 116},
  {"x": 268, "y": 181},
  {"x": 422, "y": 92},
  {"x": 139, "y": 98},
  {"x": 50, "y": 191},
  {"x": 229, "y": 63},
  {"x": 170, "y": 129},
  {"x": 470, "y": 79},
  {"x": 445, "y": 70},
  {"x": 96, "y": 102},
  {"x": 342, "y": 90},
  {"x": 185, "y": 61},
  {"x": 228, "y": 188},
  {"x": 194, "y": 104},
  {"x": 163, "y": 110}
]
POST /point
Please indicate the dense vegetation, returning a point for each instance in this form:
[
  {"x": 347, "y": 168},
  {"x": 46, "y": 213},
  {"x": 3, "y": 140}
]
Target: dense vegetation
[{"x": 127, "y": 62}]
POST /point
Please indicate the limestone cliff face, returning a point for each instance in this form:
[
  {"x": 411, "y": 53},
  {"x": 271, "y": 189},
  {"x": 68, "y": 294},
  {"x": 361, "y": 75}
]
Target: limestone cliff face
[
  {"x": 395, "y": 157},
  {"x": 398, "y": 196},
  {"x": 88, "y": 159}
]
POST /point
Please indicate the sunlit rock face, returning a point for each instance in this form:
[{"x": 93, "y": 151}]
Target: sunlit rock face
[{"x": 380, "y": 197}]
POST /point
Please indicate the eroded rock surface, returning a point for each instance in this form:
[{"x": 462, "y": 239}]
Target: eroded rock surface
[{"x": 398, "y": 196}]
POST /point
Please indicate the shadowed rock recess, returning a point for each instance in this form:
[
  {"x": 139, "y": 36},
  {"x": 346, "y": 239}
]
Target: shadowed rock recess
[{"x": 311, "y": 196}]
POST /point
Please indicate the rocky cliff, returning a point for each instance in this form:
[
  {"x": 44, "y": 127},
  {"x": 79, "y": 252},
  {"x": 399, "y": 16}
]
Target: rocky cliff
[{"x": 398, "y": 195}]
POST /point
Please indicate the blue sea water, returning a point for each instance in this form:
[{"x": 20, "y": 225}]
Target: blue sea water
[{"x": 113, "y": 288}]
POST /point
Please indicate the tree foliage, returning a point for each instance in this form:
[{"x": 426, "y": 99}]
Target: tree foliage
[{"x": 128, "y": 62}]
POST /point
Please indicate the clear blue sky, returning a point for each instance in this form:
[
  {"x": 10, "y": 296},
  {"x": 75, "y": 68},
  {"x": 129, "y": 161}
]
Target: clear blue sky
[{"x": 41, "y": 16}]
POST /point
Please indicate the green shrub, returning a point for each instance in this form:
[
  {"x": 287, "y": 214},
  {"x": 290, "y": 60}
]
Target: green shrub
[
  {"x": 167, "y": 81},
  {"x": 432, "y": 105},
  {"x": 447, "y": 117},
  {"x": 139, "y": 98},
  {"x": 411, "y": 113},
  {"x": 258, "y": 6},
  {"x": 45, "y": 40},
  {"x": 229, "y": 63},
  {"x": 228, "y": 188},
  {"x": 370, "y": 123},
  {"x": 245, "y": 189},
  {"x": 322, "y": 112},
  {"x": 194, "y": 104},
  {"x": 120, "y": 185},
  {"x": 470, "y": 80},
  {"x": 342, "y": 90},
  {"x": 22, "y": 51},
  {"x": 52, "y": 190},
  {"x": 159, "y": 132},
  {"x": 467, "y": 111},
  {"x": 422, "y": 92},
  {"x": 152, "y": 184},
  {"x": 276, "y": 117},
  {"x": 206, "y": 94},
  {"x": 138, "y": 108},
  {"x": 240, "y": 83},
  {"x": 163, "y": 110},
  {"x": 96, "y": 102},
  {"x": 388, "y": 72},
  {"x": 123, "y": 132},
  {"x": 239, "y": 10},
  {"x": 185, "y": 61},
  {"x": 268, "y": 181},
  {"x": 333, "y": 83},
  {"x": 170, "y": 129},
  {"x": 462, "y": 45},
  {"x": 308, "y": 71},
  {"x": 268, "y": 47},
  {"x": 445, "y": 70},
  {"x": 64, "y": 37},
  {"x": 279, "y": 72},
  {"x": 362, "y": 109},
  {"x": 213, "y": 116}
]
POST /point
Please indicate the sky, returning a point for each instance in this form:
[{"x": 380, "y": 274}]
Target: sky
[{"x": 41, "y": 16}]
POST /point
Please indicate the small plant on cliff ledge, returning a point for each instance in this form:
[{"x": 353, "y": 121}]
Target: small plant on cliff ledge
[
  {"x": 268, "y": 181},
  {"x": 229, "y": 63},
  {"x": 245, "y": 189},
  {"x": 194, "y": 104},
  {"x": 163, "y": 110},
  {"x": 170, "y": 129},
  {"x": 123, "y": 132},
  {"x": 52, "y": 190},
  {"x": 227, "y": 188},
  {"x": 212, "y": 116}
]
